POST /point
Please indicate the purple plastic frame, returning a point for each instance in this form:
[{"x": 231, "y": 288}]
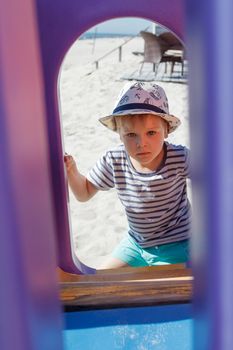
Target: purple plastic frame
[
  {"x": 33, "y": 211},
  {"x": 62, "y": 25}
]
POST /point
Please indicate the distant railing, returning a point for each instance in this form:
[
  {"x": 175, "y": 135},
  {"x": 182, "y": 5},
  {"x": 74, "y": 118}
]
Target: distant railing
[{"x": 119, "y": 48}]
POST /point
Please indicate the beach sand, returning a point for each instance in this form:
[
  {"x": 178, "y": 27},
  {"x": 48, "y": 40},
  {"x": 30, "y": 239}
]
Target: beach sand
[{"x": 85, "y": 95}]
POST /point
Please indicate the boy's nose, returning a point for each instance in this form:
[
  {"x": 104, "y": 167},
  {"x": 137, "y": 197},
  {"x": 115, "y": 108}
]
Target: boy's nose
[{"x": 141, "y": 141}]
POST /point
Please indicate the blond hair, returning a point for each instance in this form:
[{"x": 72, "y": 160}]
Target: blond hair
[{"x": 122, "y": 121}]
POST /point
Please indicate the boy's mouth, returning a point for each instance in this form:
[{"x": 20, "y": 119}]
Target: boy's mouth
[{"x": 143, "y": 154}]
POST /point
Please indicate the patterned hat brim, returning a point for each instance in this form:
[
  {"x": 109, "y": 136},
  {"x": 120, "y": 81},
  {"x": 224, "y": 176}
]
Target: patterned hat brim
[{"x": 109, "y": 121}]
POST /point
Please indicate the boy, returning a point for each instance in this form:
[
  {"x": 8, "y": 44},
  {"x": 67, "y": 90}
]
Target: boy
[{"x": 149, "y": 175}]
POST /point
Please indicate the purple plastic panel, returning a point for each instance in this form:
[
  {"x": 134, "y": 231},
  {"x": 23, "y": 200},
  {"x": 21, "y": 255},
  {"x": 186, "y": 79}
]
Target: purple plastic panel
[
  {"x": 61, "y": 23},
  {"x": 28, "y": 295},
  {"x": 30, "y": 317},
  {"x": 211, "y": 89}
]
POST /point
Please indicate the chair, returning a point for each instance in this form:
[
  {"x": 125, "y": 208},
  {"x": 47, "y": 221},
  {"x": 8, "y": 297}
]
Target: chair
[
  {"x": 163, "y": 48},
  {"x": 152, "y": 50},
  {"x": 173, "y": 51}
]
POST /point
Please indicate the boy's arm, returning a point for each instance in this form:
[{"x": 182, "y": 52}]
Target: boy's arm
[{"x": 80, "y": 186}]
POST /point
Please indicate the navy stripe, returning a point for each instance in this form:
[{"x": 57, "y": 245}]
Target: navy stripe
[
  {"x": 154, "y": 189},
  {"x": 163, "y": 234},
  {"x": 146, "y": 214},
  {"x": 106, "y": 173},
  {"x": 139, "y": 218},
  {"x": 162, "y": 240},
  {"x": 101, "y": 182},
  {"x": 138, "y": 106},
  {"x": 146, "y": 211},
  {"x": 157, "y": 198},
  {"x": 157, "y": 180},
  {"x": 181, "y": 231},
  {"x": 157, "y": 227},
  {"x": 145, "y": 205}
]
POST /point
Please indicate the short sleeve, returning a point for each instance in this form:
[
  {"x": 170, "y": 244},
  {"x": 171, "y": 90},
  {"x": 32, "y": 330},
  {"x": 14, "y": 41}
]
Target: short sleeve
[{"x": 101, "y": 175}]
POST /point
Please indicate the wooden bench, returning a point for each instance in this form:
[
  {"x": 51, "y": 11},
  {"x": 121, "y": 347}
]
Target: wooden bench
[{"x": 126, "y": 287}]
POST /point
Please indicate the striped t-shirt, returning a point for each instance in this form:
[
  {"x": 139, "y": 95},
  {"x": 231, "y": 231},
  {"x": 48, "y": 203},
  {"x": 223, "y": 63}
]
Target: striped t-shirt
[{"x": 156, "y": 203}]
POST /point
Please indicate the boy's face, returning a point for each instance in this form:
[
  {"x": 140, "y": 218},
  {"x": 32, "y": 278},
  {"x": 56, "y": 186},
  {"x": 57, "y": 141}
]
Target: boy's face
[{"x": 143, "y": 137}]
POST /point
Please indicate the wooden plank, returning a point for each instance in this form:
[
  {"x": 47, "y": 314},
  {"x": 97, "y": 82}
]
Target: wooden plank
[{"x": 134, "y": 287}]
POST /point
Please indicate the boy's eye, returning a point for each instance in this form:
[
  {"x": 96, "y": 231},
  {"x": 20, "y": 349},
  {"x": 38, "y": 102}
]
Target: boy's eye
[
  {"x": 152, "y": 132},
  {"x": 131, "y": 134}
]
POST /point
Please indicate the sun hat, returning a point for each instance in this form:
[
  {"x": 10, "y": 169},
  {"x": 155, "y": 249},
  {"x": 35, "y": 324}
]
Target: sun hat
[{"x": 141, "y": 98}]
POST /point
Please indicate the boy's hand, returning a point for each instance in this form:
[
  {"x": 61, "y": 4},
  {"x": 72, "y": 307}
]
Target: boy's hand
[
  {"x": 69, "y": 163},
  {"x": 80, "y": 186}
]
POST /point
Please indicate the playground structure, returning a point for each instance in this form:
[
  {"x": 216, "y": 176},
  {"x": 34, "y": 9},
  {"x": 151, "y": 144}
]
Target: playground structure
[{"x": 34, "y": 225}]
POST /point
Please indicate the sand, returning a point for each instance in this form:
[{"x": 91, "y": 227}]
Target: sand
[{"x": 87, "y": 94}]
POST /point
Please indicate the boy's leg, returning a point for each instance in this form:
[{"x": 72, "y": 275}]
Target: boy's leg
[
  {"x": 171, "y": 253},
  {"x": 127, "y": 253},
  {"x": 112, "y": 263}
]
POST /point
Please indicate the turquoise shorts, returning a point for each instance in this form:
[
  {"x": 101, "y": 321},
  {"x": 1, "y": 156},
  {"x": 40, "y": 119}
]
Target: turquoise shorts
[{"x": 132, "y": 254}]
